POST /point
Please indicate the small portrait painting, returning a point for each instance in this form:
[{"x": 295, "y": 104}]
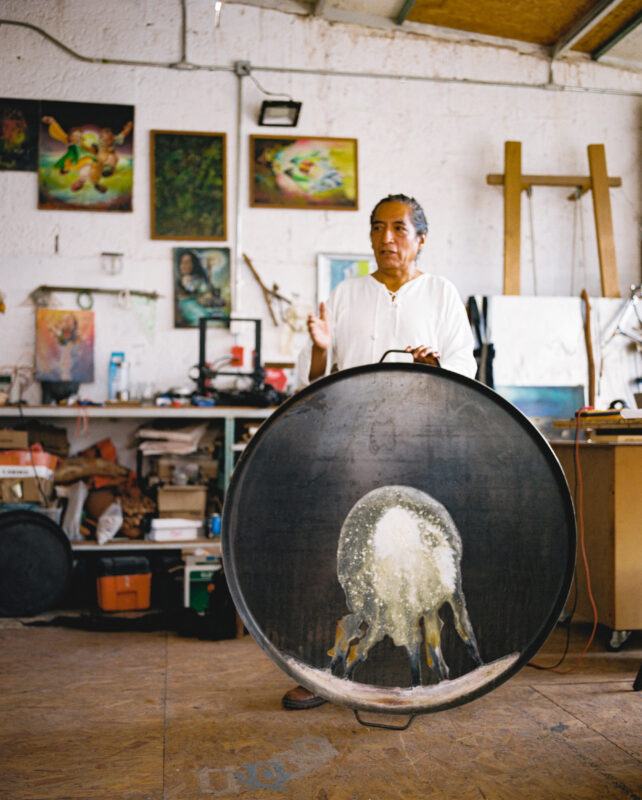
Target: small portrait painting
[
  {"x": 19, "y": 120},
  {"x": 64, "y": 345},
  {"x": 201, "y": 285},
  {"x": 86, "y": 157},
  {"x": 303, "y": 172}
]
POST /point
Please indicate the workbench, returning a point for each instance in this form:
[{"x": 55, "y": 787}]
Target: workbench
[{"x": 612, "y": 478}]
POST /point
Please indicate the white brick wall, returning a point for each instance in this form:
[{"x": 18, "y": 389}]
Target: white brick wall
[{"x": 434, "y": 140}]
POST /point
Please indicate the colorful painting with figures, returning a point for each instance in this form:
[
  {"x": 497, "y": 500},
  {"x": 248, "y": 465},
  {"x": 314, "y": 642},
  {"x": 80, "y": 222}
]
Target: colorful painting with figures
[
  {"x": 19, "y": 134},
  {"x": 303, "y": 172},
  {"x": 86, "y": 160},
  {"x": 201, "y": 285},
  {"x": 64, "y": 345}
]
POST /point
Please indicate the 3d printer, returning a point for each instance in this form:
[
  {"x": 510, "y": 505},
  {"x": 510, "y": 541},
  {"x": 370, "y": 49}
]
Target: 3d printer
[{"x": 258, "y": 394}]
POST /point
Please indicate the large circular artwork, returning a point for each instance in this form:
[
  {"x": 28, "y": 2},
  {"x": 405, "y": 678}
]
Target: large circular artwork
[{"x": 398, "y": 538}]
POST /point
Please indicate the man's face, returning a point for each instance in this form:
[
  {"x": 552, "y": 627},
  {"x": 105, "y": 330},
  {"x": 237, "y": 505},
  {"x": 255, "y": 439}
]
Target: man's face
[{"x": 394, "y": 239}]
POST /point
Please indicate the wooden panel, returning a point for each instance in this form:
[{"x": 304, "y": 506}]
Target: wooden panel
[
  {"x": 599, "y": 527},
  {"x": 542, "y": 22},
  {"x": 603, "y": 221},
  {"x": 583, "y": 181},
  {"x": 512, "y": 216},
  {"x": 628, "y": 543},
  {"x": 609, "y": 26},
  {"x": 612, "y": 512},
  {"x": 146, "y": 716}
]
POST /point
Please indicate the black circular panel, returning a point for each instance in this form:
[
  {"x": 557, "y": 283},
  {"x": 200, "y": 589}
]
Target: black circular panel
[
  {"x": 35, "y": 563},
  {"x": 398, "y": 537}
]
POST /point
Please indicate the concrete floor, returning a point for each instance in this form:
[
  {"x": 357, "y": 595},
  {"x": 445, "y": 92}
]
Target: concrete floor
[{"x": 131, "y": 716}]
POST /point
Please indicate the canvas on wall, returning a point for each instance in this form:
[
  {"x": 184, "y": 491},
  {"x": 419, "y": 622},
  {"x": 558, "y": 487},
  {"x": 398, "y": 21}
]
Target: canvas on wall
[
  {"x": 303, "y": 172},
  {"x": 332, "y": 268},
  {"x": 201, "y": 285},
  {"x": 19, "y": 134},
  {"x": 64, "y": 345},
  {"x": 86, "y": 160},
  {"x": 188, "y": 185}
]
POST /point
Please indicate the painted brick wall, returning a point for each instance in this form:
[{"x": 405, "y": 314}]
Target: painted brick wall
[{"x": 434, "y": 140}]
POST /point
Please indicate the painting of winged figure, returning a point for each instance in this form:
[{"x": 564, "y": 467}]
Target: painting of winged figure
[{"x": 86, "y": 157}]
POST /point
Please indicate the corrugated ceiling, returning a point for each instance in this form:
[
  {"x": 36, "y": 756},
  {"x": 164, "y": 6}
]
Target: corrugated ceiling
[
  {"x": 538, "y": 21},
  {"x": 604, "y": 29}
]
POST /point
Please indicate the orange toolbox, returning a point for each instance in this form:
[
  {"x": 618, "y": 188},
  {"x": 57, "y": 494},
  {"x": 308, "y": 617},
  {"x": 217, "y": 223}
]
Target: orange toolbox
[{"x": 124, "y": 584}]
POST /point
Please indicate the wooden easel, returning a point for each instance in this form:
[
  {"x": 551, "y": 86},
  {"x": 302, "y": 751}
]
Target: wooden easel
[{"x": 598, "y": 183}]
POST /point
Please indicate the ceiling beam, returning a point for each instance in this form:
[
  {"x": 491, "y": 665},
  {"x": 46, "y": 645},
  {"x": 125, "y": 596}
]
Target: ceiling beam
[
  {"x": 630, "y": 26},
  {"x": 406, "y": 8},
  {"x": 583, "y": 26}
]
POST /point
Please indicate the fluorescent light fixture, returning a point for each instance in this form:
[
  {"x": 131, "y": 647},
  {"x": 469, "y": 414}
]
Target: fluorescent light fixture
[{"x": 280, "y": 113}]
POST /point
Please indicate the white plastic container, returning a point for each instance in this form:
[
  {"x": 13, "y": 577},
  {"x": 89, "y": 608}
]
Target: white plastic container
[{"x": 174, "y": 530}]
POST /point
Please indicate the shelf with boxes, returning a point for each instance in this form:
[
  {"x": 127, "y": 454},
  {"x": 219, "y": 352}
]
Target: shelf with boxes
[
  {"x": 180, "y": 487},
  {"x": 185, "y": 499}
]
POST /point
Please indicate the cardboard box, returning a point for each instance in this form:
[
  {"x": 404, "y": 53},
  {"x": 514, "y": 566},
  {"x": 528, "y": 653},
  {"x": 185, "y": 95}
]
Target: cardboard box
[
  {"x": 182, "y": 501},
  {"x": 11, "y": 439},
  {"x": 165, "y": 466},
  {"x": 25, "y": 490}
]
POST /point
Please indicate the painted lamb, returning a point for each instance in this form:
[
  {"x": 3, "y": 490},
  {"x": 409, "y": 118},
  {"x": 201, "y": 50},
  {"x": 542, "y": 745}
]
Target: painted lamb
[{"x": 398, "y": 561}]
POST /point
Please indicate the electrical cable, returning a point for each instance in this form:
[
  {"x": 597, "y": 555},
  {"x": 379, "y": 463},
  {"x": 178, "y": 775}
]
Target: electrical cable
[
  {"x": 580, "y": 520},
  {"x": 265, "y": 91},
  {"x": 185, "y": 65},
  {"x": 579, "y": 506},
  {"x": 529, "y": 192}
]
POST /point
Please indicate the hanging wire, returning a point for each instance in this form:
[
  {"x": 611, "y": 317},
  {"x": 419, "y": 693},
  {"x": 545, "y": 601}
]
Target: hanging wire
[
  {"x": 580, "y": 205},
  {"x": 529, "y": 192},
  {"x": 265, "y": 91},
  {"x": 578, "y": 254},
  {"x": 576, "y": 197}
]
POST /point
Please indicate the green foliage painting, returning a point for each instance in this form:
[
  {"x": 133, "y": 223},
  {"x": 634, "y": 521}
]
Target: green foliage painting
[{"x": 188, "y": 185}]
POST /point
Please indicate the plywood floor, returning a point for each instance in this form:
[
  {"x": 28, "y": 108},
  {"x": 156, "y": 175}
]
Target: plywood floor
[{"x": 124, "y": 716}]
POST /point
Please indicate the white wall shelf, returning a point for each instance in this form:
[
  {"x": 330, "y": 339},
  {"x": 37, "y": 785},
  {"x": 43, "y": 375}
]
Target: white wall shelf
[
  {"x": 211, "y": 546},
  {"x": 137, "y": 412}
]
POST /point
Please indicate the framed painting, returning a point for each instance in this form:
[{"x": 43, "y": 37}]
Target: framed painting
[
  {"x": 64, "y": 345},
  {"x": 19, "y": 121},
  {"x": 188, "y": 185},
  {"x": 86, "y": 157},
  {"x": 201, "y": 285},
  {"x": 303, "y": 172},
  {"x": 332, "y": 268}
]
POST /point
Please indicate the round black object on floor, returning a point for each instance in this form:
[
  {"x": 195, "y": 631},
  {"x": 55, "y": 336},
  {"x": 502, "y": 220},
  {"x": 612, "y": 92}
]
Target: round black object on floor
[
  {"x": 399, "y": 538},
  {"x": 35, "y": 563}
]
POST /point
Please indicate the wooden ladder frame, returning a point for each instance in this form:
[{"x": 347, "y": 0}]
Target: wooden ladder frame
[{"x": 598, "y": 183}]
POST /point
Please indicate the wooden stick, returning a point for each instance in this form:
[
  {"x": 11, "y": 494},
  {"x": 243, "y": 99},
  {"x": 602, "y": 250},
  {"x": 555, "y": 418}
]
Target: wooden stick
[
  {"x": 581, "y": 181},
  {"x": 603, "y": 221},
  {"x": 512, "y": 216},
  {"x": 268, "y": 294},
  {"x": 589, "y": 348}
]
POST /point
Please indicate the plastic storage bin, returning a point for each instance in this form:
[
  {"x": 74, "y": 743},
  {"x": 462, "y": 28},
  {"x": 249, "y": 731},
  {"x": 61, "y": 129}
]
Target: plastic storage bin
[{"x": 124, "y": 583}]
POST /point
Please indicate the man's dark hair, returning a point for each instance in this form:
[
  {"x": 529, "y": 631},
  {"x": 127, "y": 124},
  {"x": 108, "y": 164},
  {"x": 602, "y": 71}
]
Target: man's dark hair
[{"x": 416, "y": 211}]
